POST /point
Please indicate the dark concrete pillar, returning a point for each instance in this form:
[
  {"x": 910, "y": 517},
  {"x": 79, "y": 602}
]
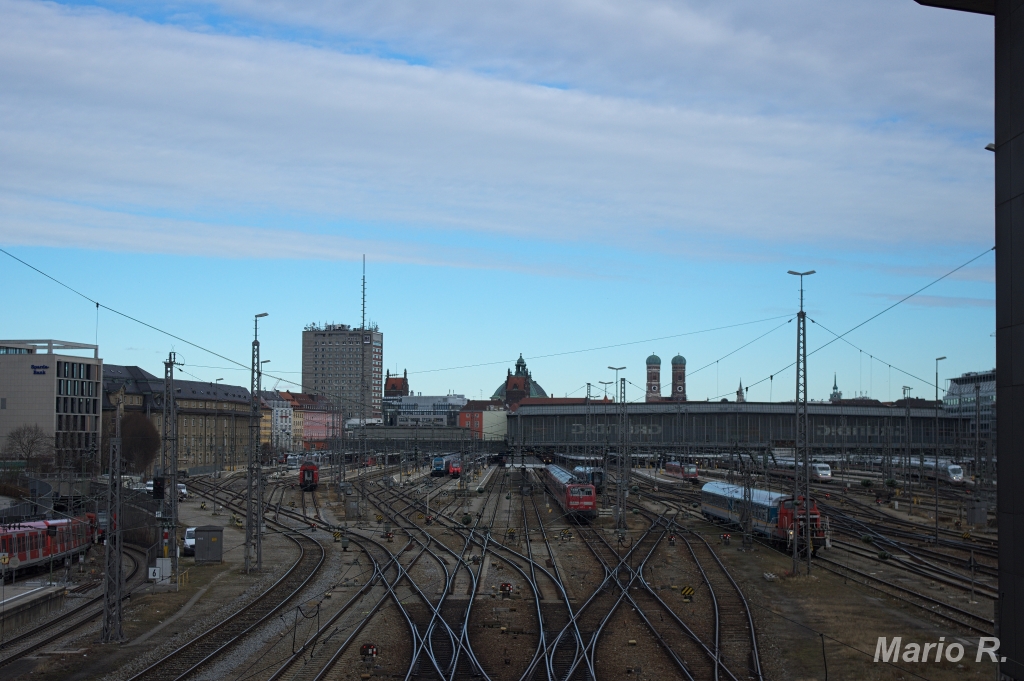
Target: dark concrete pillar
[
  {"x": 1009, "y": 238},
  {"x": 1009, "y": 141}
]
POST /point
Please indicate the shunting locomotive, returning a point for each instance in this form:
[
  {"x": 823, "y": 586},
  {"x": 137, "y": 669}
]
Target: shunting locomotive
[{"x": 773, "y": 513}]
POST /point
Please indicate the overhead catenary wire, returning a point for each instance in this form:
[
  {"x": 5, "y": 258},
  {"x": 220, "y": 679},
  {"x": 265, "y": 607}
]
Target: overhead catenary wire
[{"x": 872, "y": 318}]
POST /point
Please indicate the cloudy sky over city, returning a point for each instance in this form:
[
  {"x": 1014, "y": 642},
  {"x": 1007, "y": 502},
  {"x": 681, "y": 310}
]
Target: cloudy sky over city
[{"x": 581, "y": 182}]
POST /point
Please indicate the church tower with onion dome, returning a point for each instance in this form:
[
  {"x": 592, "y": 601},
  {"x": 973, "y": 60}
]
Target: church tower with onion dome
[
  {"x": 678, "y": 379},
  {"x": 654, "y": 378}
]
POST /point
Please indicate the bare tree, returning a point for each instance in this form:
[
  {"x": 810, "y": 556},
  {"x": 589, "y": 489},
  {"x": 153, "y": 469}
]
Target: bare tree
[
  {"x": 140, "y": 442},
  {"x": 31, "y": 444}
]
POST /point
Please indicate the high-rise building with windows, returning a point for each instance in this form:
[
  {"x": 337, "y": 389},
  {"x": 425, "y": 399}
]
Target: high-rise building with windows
[
  {"x": 973, "y": 395},
  {"x": 44, "y": 384},
  {"x": 345, "y": 365}
]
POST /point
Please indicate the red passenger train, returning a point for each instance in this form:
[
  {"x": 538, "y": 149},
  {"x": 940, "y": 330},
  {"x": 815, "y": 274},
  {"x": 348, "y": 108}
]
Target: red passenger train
[
  {"x": 309, "y": 477},
  {"x": 575, "y": 498},
  {"x": 685, "y": 471},
  {"x": 35, "y": 543}
]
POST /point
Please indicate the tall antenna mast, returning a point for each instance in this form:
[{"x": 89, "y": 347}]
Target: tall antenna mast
[{"x": 363, "y": 325}]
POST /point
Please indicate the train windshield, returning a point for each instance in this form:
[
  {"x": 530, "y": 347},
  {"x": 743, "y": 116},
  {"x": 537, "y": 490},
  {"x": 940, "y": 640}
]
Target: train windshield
[
  {"x": 822, "y": 468},
  {"x": 956, "y": 470},
  {"x": 580, "y": 491},
  {"x": 690, "y": 469}
]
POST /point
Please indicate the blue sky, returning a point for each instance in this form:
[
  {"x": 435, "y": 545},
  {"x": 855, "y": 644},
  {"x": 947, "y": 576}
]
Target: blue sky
[{"x": 542, "y": 178}]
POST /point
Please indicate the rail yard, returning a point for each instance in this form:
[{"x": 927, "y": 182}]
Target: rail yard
[{"x": 466, "y": 568}]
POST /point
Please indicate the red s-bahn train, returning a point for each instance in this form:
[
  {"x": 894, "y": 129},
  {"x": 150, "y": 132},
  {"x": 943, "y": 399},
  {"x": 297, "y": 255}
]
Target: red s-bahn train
[
  {"x": 575, "y": 498},
  {"x": 685, "y": 471},
  {"x": 309, "y": 476},
  {"x": 35, "y": 543}
]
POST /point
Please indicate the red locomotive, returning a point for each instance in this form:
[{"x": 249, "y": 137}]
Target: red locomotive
[
  {"x": 685, "y": 471},
  {"x": 309, "y": 477},
  {"x": 37, "y": 542},
  {"x": 575, "y": 498}
]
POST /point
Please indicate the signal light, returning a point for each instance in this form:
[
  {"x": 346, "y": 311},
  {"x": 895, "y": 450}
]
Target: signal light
[{"x": 158, "y": 488}]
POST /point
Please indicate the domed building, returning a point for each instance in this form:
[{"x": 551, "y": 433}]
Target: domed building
[
  {"x": 678, "y": 393},
  {"x": 518, "y": 386}
]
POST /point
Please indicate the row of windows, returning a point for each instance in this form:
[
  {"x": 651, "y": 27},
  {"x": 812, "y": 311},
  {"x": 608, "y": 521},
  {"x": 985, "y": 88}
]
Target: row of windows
[
  {"x": 77, "y": 423},
  {"x": 76, "y": 370},
  {"x": 77, "y": 405},
  {"x": 83, "y": 388}
]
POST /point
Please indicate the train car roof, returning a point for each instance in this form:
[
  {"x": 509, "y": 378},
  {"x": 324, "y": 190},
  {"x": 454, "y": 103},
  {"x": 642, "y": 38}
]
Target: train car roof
[
  {"x": 759, "y": 496},
  {"x": 563, "y": 476}
]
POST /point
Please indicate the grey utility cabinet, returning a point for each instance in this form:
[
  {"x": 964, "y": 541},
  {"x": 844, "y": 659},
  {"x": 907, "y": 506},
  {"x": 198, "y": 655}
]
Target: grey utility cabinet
[{"x": 209, "y": 544}]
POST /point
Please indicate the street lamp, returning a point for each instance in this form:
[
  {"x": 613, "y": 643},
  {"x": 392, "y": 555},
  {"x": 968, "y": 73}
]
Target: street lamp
[
  {"x": 937, "y": 360},
  {"x": 218, "y": 381},
  {"x": 617, "y": 370}
]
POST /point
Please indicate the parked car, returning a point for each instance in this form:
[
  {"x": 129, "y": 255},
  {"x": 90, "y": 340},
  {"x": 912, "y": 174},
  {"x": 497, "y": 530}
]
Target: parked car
[
  {"x": 182, "y": 492},
  {"x": 190, "y": 542}
]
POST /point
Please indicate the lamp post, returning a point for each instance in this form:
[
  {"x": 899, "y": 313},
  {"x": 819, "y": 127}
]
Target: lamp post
[
  {"x": 801, "y": 431},
  {"x": 937, "y": 360},
  {"x": 616, "y": 370}
]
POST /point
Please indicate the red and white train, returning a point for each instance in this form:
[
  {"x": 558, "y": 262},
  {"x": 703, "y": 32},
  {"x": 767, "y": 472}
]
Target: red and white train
[
  {"x": 773, "y": 513},
  {"x": 575, "y": 498},
  {"x": 309, "y": 476},
  {"x": 35, "y": 543},
  {"x": 684, "y": 471}
]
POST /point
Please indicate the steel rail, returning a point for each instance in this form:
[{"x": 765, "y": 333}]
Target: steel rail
[
  {"x": 80, "y": 612},
  {"x": 208, "y": 643}
]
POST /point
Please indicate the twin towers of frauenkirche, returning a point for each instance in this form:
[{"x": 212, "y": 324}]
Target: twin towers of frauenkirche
[{"x": 678, "y": 393}]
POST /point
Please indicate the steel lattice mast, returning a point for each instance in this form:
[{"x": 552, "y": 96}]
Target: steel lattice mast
[
  {"x": 114, "y": 582},
  {"x": 800, "y": 436},
  {"x": 169, "y": 462},
  {"x": 624, "y": 468},
  {"x": 254, "y": 473}
]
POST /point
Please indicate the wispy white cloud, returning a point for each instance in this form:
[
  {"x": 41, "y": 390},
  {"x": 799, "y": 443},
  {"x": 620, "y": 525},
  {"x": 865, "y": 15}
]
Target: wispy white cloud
[{"x": 134, "y": 117}]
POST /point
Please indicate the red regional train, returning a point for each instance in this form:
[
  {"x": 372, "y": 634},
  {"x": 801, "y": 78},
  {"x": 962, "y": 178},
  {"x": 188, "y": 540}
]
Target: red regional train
[
  {"x": 686, "y": 471},
  {"x": 309, "y": 476},
  {"x": 772, "y": 511},
  {"x": 575, "y": 498},
  {"x": 35, "y": 543}
]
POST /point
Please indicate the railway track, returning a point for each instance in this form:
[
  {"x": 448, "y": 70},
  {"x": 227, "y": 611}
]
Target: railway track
[
  {"x": 933, "y": 606},
  {"x": 209, "y": 646},
  {"x": 32, "y": 640}
]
